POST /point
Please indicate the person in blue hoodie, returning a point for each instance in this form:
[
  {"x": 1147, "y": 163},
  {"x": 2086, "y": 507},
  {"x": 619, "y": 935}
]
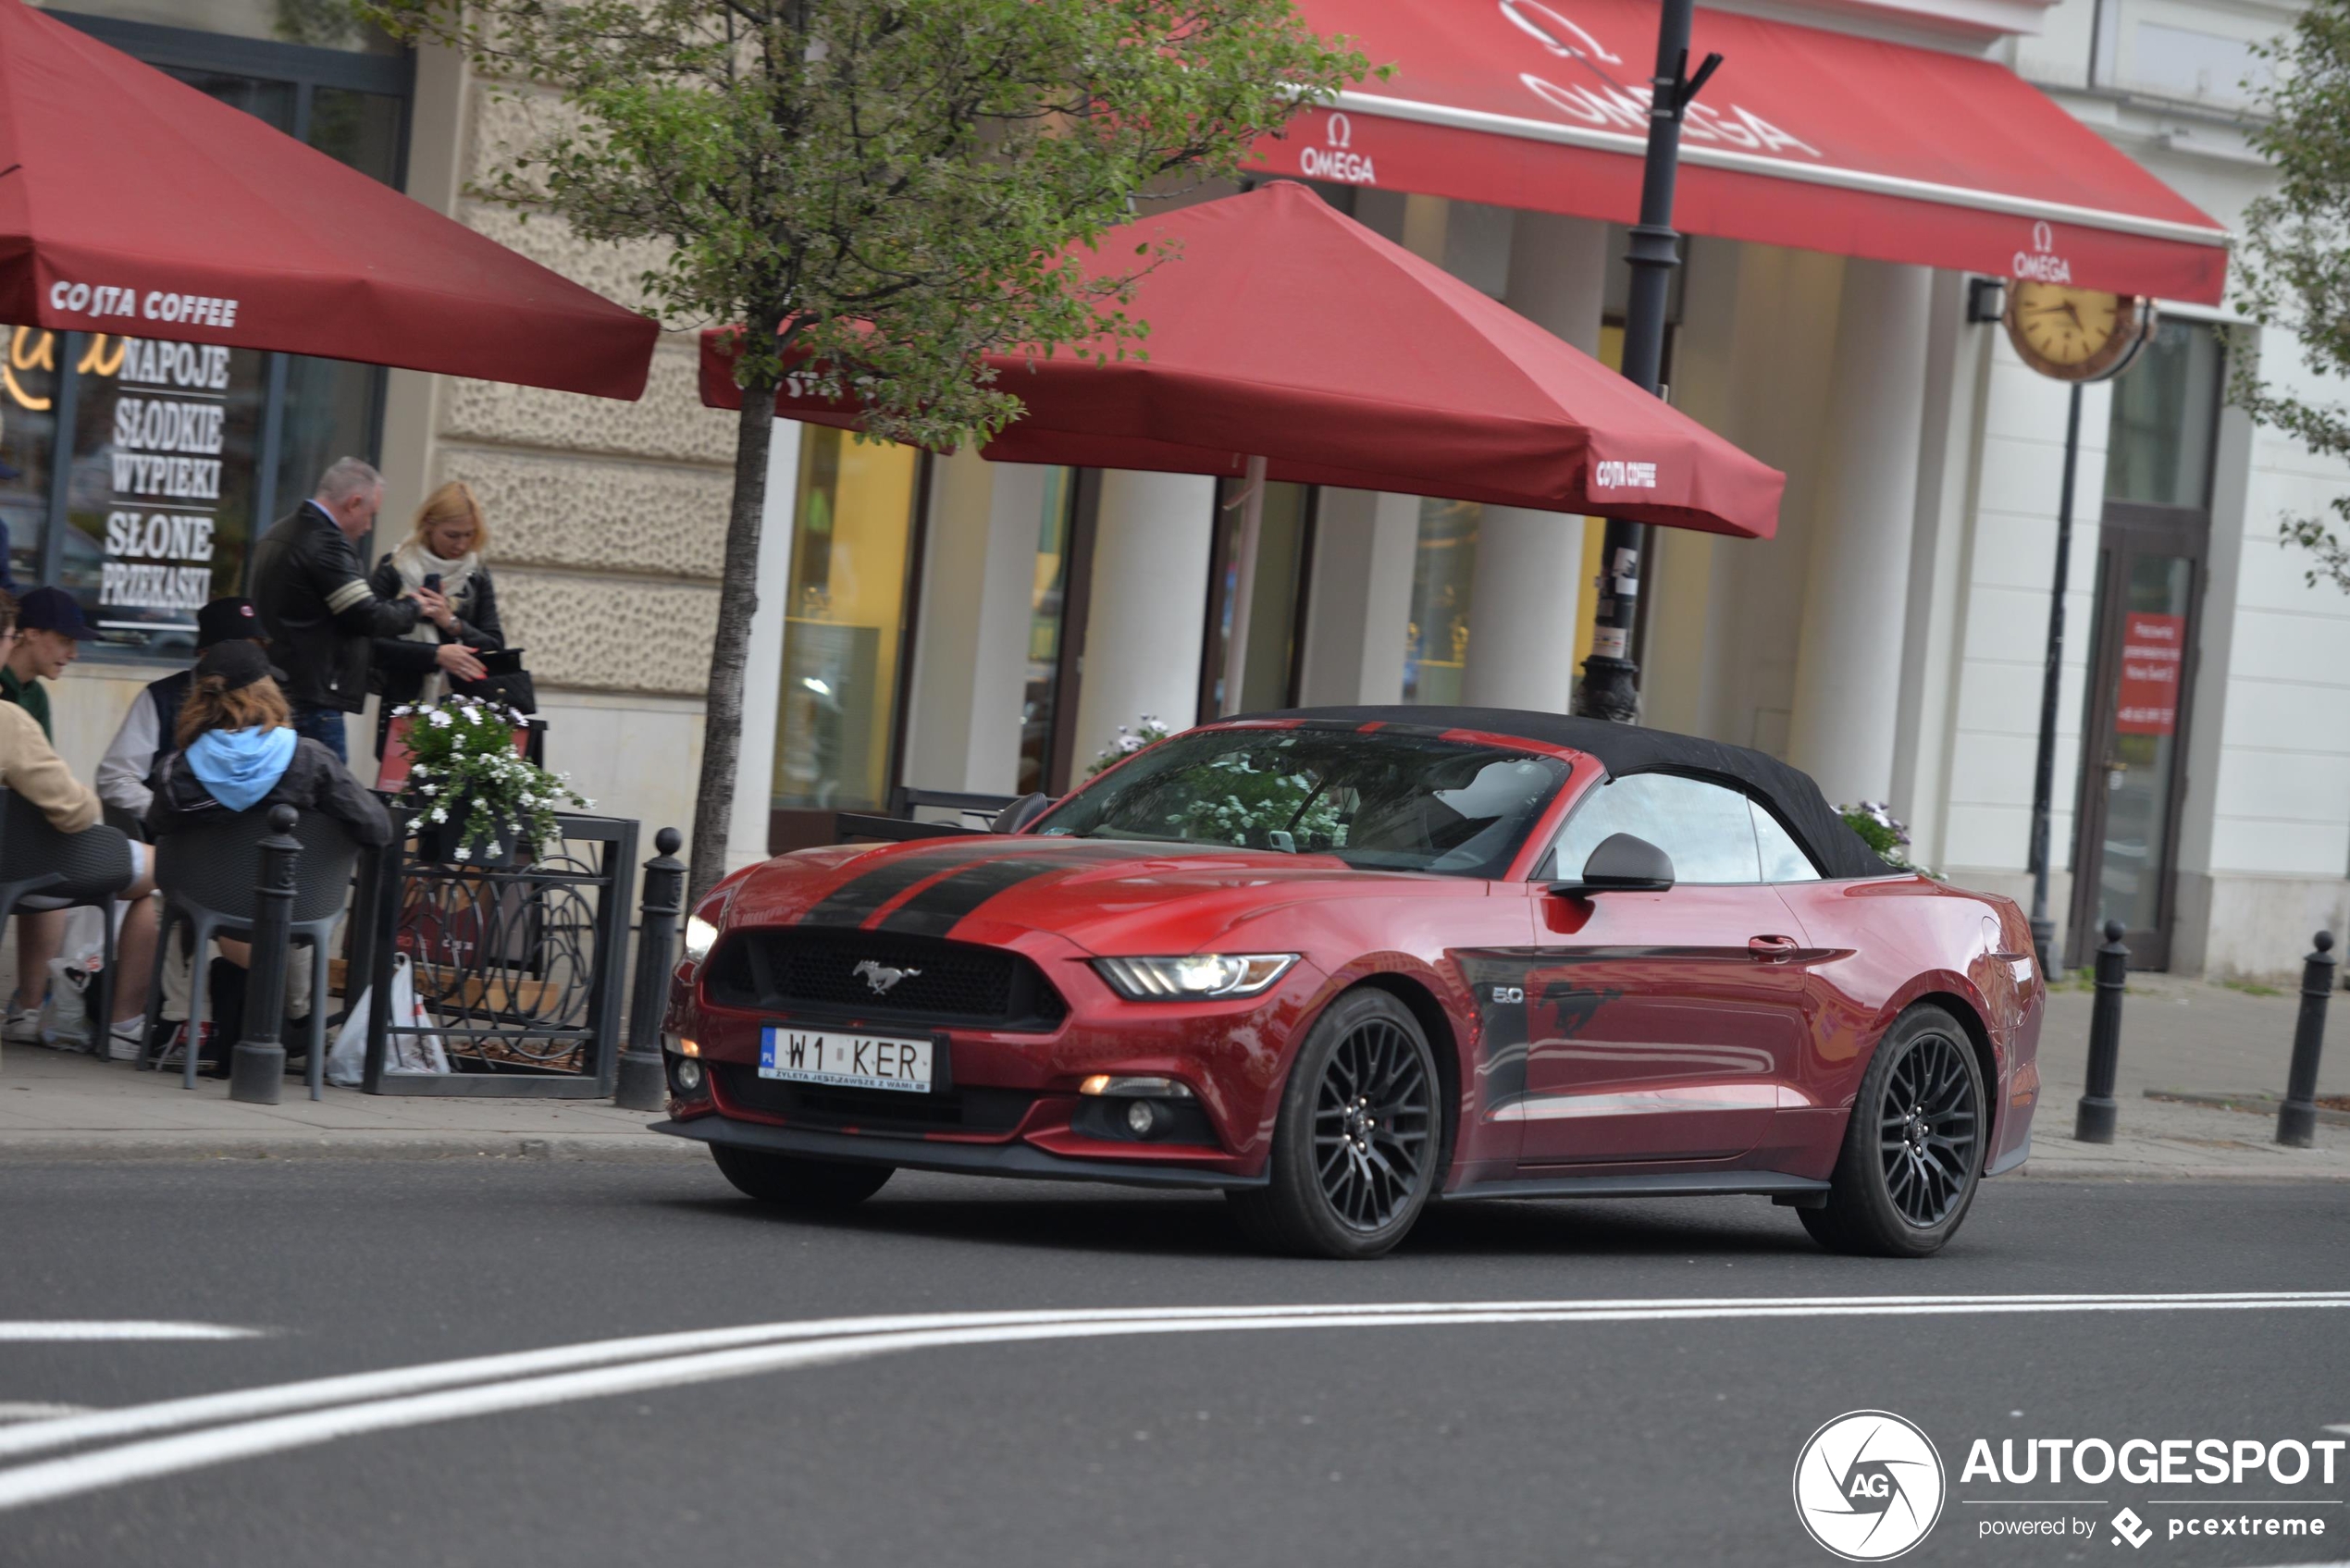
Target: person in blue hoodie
[{"x": 239, "y": 753}]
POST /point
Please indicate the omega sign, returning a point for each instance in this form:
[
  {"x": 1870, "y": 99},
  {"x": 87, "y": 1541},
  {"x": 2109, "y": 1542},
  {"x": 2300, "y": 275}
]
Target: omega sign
[
  {"x": 2041, "y": 263},
  {"x": 1336, "y": 159},
  {"x": 1623, "y": 106}
]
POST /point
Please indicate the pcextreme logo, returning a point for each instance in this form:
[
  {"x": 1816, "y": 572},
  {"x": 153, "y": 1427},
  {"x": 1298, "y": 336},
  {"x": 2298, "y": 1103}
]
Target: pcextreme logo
[{"x": 1868, "y": 1485}]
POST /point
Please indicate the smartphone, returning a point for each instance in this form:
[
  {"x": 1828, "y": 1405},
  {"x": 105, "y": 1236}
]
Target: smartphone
[{"x": 432, "y": 582}]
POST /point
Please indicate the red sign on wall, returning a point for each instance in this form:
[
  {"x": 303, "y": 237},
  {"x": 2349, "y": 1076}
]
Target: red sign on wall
[{"x": 2153, "y": 652}]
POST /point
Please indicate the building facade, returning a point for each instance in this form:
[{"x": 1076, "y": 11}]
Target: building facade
[{"x": 942, "y": 623}]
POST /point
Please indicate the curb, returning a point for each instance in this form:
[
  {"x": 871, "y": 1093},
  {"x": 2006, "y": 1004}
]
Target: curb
[
  {"x": 622, "y": 1148},
  {"x": 2255, "y": 1103},
  {"x": 2120, "y": 1171}
]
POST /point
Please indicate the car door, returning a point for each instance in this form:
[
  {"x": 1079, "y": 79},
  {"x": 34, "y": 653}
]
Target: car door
[{"x": 1662, "y": 1026}]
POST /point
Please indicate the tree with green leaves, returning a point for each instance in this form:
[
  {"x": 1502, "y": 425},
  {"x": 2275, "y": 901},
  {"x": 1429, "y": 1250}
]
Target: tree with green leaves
[
  {"x": 2293, "y": 257},
  {"x": 881, "y": 193}
]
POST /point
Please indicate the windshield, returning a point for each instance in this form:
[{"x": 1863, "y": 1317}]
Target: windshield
[{"x": 1377, "y": 800}]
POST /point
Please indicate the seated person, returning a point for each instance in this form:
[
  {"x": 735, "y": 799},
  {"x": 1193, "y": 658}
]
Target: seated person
[
  {"x": 126, "y": 776},
  {"x": 239, "y": 753},
  {"x": 53, "y": 827}
]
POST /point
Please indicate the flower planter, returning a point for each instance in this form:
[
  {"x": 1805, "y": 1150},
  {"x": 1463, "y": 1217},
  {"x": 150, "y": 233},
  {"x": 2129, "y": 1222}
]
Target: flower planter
[{"x": 437, "y": 842}]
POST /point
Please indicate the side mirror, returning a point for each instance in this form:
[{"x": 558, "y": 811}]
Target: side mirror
[
  {"x": 1019, "y": 813},
  {"x": 1622, "y": 863}
]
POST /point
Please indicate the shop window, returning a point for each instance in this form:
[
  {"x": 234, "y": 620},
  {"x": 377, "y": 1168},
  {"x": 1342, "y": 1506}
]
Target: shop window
[
  {"x": 1047, "y": 630},
  {"x": 1269, "y": 653},
  {"x": 1444, "y": 567},
  {"x": 845, "y": 623},
  {"x": 2165, "y": 419},
  {"x": 177, "y": 455}
]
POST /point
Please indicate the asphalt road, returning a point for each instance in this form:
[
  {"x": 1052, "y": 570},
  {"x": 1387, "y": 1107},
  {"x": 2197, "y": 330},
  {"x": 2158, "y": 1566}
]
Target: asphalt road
[{"x": 1640, "y": 1440}]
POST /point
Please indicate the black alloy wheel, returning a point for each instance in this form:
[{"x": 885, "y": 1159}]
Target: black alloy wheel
[
  {"x": 1357, "y": 1145},
  {"x": 810, "y": 1186},
  {"x": 1913, "y": 1150}
]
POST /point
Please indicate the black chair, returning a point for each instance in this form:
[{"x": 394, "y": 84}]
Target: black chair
[
  {"x": 20, "y": 817},
  {"x": 206, "y": 876}
]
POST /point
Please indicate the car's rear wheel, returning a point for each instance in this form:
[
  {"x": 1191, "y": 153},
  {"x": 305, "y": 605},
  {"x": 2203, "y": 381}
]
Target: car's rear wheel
[
  {"x": 789, "y": 1183},
  {"x": 1912, "y": 1153},
  {"x": 1356, "y": 1143}
]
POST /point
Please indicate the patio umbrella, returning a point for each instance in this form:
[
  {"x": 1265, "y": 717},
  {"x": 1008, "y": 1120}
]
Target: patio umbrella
[
  {"x": 133, "y": 204},
  {"x": 1286, "y": 331},
  {"x": 1290, "y": 342}
]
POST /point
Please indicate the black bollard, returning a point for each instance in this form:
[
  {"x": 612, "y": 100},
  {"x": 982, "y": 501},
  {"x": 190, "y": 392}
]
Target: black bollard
[
  {"x": 257, "y": 1069},
  {"x": 2094, "y": 1123},
  {"x": 2297, "y": 1118},
  {"x": 644, "y": 1082}
]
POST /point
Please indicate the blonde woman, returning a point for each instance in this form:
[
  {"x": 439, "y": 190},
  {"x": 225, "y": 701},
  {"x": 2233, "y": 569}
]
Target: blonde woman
[{"x": 443, "y": 551}]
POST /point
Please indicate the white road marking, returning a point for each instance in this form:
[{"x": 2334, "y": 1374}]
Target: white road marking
[
  {"x": 36, "y": 1410},
  {"x": 64, "y": 1329},
  {"x": 404, "y": 1397}
]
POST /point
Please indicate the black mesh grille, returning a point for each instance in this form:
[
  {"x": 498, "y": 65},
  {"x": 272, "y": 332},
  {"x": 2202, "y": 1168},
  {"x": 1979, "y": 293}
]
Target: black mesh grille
[
  {"x": 832, "y": 972},
  {"x": 873, "y": 1110}
]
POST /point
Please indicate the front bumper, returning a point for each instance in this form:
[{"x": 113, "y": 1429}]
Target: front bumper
[{"x": 964, "y": 1159}]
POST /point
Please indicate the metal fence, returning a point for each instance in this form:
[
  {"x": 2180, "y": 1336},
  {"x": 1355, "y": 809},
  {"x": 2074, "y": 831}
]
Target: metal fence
[{"x": 520, "y": 970}]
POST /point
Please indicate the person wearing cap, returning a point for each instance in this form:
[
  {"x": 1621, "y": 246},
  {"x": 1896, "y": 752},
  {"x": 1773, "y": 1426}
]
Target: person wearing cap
[
  {"x": 61, "y": 834},
  {"x": 50, "y": 631},
  {"x": 237, "y": 752},
  {"x": 126, "y": 777}
]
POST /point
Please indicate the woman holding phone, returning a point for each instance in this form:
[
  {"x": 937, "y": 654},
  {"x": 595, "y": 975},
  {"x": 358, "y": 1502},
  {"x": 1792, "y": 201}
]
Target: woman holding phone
[{"x": 443, "y": 554}]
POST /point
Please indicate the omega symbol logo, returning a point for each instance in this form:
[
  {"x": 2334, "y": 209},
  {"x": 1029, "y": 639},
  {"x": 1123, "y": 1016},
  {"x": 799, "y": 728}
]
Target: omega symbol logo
[
  {"x": 1868, "y": 1485},
  {"x": 2042, "y": 237},
  {"x": 1341, "y": 132}
]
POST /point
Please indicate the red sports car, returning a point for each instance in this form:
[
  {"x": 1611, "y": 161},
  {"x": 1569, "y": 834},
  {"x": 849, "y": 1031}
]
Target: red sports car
[{"x": 1342, "y": 963}]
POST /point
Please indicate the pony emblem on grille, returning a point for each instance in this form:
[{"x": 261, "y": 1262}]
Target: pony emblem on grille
[{"x": 881, "y": 977}]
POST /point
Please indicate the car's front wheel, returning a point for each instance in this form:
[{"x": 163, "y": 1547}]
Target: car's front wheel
[
  {"x": 1356, "y": 1143},
  {"x": 1912, "y": 1151},
  {"x": 791, "y": 1183}
]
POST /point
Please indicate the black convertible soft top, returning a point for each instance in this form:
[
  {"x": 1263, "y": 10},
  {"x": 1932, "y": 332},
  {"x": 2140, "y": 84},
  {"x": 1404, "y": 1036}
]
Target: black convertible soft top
[{"x": 1628, "y": 748}]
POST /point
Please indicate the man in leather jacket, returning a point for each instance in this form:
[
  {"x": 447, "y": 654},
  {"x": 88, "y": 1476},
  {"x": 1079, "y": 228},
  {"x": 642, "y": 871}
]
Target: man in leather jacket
[{"x": 310, "y": 586}]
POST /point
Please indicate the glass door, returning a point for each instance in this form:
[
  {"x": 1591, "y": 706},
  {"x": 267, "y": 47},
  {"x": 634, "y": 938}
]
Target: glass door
[{"x": 2149, "y": 569}]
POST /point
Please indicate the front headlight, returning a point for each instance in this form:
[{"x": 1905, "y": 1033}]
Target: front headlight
[
  {"x": 1199, "y": 975},
  {"x": 700, "y": 936}
]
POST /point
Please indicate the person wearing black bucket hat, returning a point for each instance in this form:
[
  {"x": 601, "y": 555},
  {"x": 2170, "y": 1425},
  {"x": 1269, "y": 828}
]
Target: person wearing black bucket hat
[
  {"x": 126, "y": 777},
  {"x": 50, "y": 631},
  {"x": 236, "y": 751}
]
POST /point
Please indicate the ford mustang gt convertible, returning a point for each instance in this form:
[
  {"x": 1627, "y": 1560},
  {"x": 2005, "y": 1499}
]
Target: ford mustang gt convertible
[{"x": 1343, "y": 963}]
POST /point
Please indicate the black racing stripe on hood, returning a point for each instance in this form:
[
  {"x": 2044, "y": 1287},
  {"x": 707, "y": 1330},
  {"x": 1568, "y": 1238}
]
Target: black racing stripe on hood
[
  {"x": 854, "y": 901},
  {"x": 939, "y": 908}
]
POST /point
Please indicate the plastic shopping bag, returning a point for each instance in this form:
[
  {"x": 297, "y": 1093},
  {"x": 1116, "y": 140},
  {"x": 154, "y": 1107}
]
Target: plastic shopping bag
[
  {"x": 347, "y": 1058},
  {"x": 73, "y": 976}
]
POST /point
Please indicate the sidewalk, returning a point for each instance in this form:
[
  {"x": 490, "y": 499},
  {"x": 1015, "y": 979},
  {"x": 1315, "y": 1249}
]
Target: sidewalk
[
  {"x": 58, "y": 1106},
  {"x": 2179, "y": 1037}
]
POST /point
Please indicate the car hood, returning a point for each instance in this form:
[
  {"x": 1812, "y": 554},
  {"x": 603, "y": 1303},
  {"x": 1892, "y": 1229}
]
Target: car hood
[{"x": 1104, "y": 895}]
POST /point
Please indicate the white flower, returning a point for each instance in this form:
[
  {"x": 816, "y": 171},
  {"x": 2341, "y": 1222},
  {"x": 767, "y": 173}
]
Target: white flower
[
  {"x": 464, "y": 853},
  {"x": 403, "y": 710},
  {"x": 439, "y": 814},
  {"x": 493, "y": 848},
  {"x": 440, "y": 718}
]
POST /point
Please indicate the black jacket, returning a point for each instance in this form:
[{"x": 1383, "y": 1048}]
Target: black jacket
[
  {"x": 310, "y": 589},
  {"x": 313, "y": 781},
  {"x": 402, "y": 666}
]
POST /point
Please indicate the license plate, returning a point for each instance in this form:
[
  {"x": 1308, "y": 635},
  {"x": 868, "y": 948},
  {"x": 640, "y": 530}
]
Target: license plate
[{"x": 853, "y": 1061}]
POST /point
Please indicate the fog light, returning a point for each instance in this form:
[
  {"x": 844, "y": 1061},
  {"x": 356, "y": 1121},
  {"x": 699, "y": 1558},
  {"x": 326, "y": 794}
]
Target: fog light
[
  {"x": 1143, "y": 1117},
  {"x": 689, "y": 1075}
]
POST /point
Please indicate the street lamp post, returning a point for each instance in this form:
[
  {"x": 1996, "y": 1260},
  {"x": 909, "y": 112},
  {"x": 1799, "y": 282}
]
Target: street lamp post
[
  {"x": 2052, "y": 688},
  {"x": 1611, "y": 677}
]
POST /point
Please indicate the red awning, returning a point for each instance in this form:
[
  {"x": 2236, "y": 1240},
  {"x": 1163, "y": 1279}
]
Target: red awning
[
  {"x": 1807, "y": 138},
  {"x": 133, "y": 204}
]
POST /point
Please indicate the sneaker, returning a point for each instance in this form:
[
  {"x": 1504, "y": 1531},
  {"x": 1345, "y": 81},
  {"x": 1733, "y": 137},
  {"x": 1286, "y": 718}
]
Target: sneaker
[
  {"x": 126, "y": 1040},
  {"x": 24, "y": 1026}
]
